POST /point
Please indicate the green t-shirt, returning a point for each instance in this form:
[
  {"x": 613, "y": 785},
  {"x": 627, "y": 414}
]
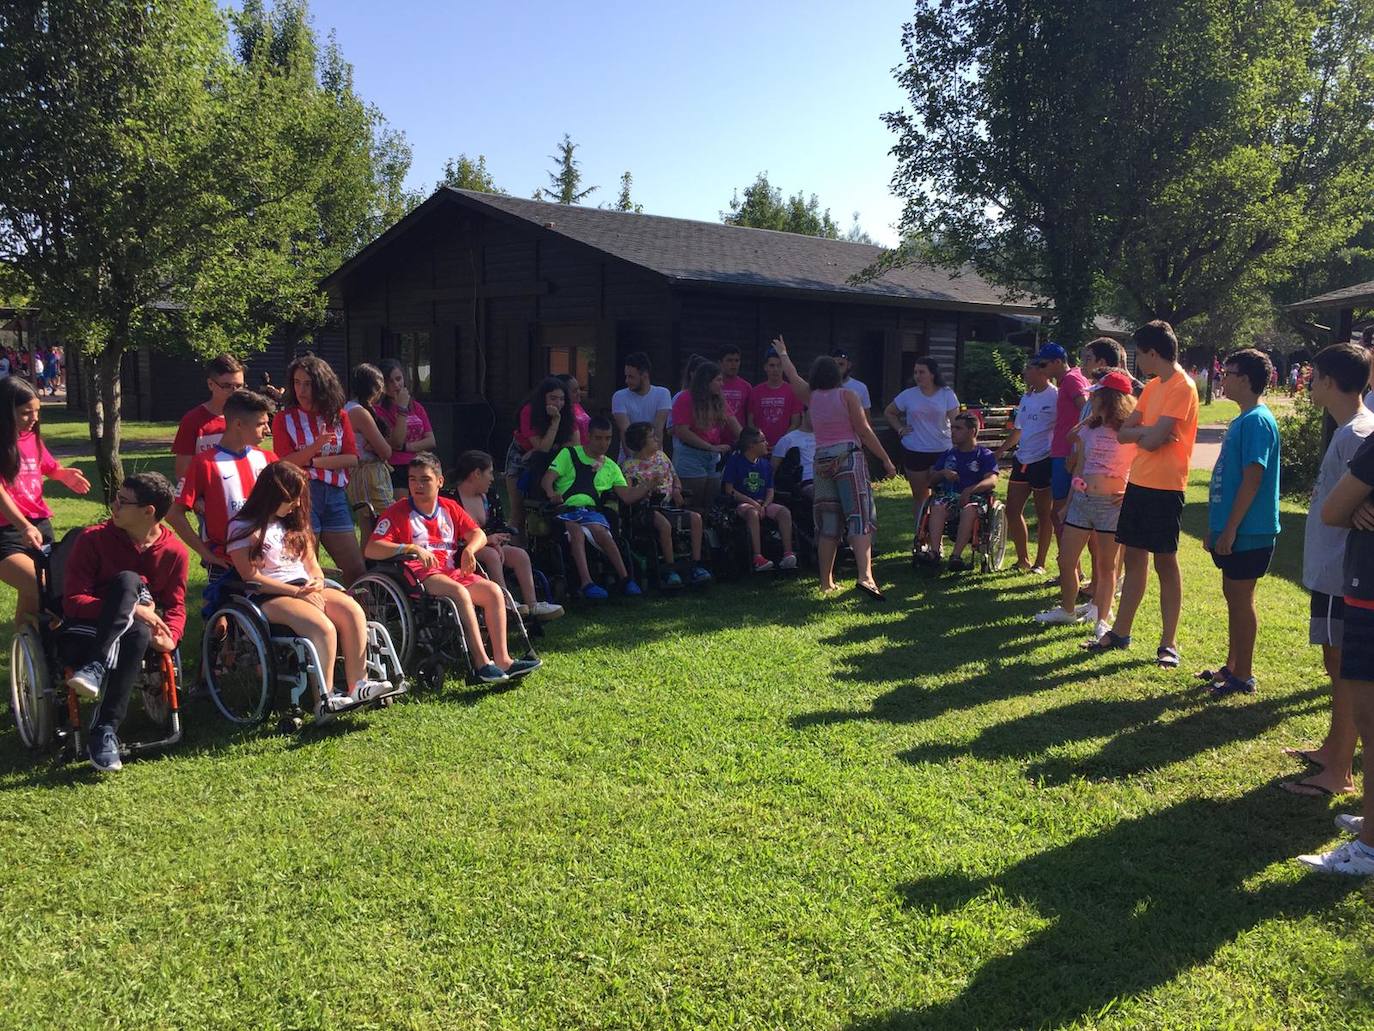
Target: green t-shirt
[{"x": 607, "y": 477}]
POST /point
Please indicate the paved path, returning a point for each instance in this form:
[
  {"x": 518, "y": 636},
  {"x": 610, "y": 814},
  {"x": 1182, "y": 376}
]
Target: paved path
[{"x": 1208, "y": 446}]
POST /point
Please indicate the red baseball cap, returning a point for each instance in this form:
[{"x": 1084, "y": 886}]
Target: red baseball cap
[{"x": 1116, "y": 381}]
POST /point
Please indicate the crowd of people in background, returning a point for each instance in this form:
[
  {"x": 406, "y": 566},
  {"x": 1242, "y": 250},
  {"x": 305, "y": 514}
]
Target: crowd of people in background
[
  {"x": 1103, "y": 458},
  {"x": 44, "y": 367}
]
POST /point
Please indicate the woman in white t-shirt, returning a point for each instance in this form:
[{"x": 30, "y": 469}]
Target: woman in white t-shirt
[
  {"x": 920, "y": 415},
  {"x": 273, "y": 551}
]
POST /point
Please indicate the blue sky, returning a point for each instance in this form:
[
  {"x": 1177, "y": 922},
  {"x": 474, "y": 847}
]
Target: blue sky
[{"x": 694, "y": 99}]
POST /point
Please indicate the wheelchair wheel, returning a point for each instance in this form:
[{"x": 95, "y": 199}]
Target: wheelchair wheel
[
  {"x": 922, "y": 550},
  {"x": 239, "y": 670},
  {"x": 995, "y": 544},
  {"x": 157, "y": 698},
  {"x": 29, "y": 696},
  {"x": 384, "y": 600}
]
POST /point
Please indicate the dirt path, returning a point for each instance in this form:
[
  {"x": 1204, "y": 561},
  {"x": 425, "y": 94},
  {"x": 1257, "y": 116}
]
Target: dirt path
[{"x": 1208, "y": 447}]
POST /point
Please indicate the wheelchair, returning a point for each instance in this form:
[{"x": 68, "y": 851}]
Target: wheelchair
[
  {"x": 546, "y": 536},
  {"x": 988, "y": 546},
  {"x": 788, "y": 490},
  {"x": 646, "y": 558},
  {"x": 427, "y": 629},
  {"x": 247, "y": 662},
  {"x": 730, "y": 540},
  {"x": 46, "y": 711}
]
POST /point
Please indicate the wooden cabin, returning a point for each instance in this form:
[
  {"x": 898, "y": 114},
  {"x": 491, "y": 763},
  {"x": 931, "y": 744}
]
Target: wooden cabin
[{"x": 481, "y": 295}]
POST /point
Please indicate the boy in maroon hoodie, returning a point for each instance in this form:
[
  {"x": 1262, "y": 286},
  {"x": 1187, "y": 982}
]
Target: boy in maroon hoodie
[{"x": 120, "y": 574}]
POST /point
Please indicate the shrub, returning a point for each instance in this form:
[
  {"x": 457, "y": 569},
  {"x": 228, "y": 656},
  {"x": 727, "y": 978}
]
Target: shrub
[
  {"x": 990, "y": 374},
  {"x": 1301, "y": 444}
]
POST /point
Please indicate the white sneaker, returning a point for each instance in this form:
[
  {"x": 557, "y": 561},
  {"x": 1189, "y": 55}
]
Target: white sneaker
[
  {"x": 367, "y": 691},
  {"x": 1350, "y": 823},
  {"x": 546, "y": 610},
  {"x": 1350, "y": 860},
  {"x": 1057, "y": 616},
  {"x": 1087, "y": 613},
  {"x": 1101, "y": 628},
  {"x": 789, "y": 561}
]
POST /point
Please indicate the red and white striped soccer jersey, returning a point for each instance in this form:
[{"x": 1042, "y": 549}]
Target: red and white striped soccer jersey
[
  {"x": 220, "y": 481},
  {"x": 444, "y": 532},
  {"x": 295, "y": 428},
  {"x": 200, "y": 430}
]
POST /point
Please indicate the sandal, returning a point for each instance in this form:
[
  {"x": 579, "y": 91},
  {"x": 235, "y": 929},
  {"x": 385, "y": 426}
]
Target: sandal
[
  {"x": 872, "y": 592},
  {"x": 1110, "y": 641},
  {"x": 1306, "y": 789},
  {"x": 1232, "y": 685},
  {"x": 1214, "y": 676},
  {"x": 1168, "y": 658},
  {"x": 1304, "y": 755}
]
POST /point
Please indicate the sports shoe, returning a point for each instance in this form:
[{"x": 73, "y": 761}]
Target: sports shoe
[
  {"x": 632, "y": 590},
  {"x": 492, "y": 674},
  {"x": 789, "y": 561},
  {"x": 594, "y": 592},
  {"x": 520, "y": 667},
  {"x": 1350, "y": 823},
  {"x": 956, "y": 565},
  {"x": 1087, "y": 612},
  {"x": 701, "y": 575},
  {"x": 1101, "y": 627},
  {"x": 1040, "y": 571},
  {"x": 86, "y": 681},
  {"x": 671, "y": 579},
  {"x": 368, "y": 690},
  {"x": 1057, "y": 616},
  {"x": 1350, "y": 859},
  {"x": 523, "y": 609},
  {"x": 103, "y": 749},
  {"x": 546, "y": 610},
  {"x": 761, "y": 564}
]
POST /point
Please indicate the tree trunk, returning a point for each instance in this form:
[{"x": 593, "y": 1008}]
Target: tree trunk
[{"x": 103, "y": 397}]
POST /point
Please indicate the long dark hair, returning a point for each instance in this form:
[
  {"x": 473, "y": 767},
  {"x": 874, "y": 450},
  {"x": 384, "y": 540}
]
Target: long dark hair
[
  {"x": 278, "y": 483},
  {"x": 368, "y": 385},
  {"x": 825, "y": 374},
  {"x": 14, "y": 395},
  {"x": 539, "y": 418},
  {"x": 328, "y": 400},
  {"x": 386, "y": 367},
  {"x": 708, "y": 408},
  {"x": 934, "y": 367}
]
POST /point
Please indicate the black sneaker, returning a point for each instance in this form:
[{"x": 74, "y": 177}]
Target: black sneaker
[
  {"x": 103, "y": 749},
  {"x": 86, "y": 681}
]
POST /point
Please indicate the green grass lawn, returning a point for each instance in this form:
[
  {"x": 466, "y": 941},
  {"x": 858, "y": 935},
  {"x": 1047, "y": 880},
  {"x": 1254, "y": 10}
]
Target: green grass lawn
[
  {"x": 1220, "y": 411},
  {"x": 752, "y": 808},
  {"x": 68, "y": 429}
]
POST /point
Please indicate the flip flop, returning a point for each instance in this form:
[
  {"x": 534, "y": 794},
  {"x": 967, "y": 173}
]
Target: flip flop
[
  {"x": 1304, "y": 755},
  {"x": 1306, "y": 789},
  {"x": 872, "y": 592},
  {"x": 1167, "y": 658}
]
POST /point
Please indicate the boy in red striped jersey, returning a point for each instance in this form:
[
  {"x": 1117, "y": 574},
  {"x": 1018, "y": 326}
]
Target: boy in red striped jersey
[
  {"x": 202, "y": 427},
  {"x": 440, "y": 542},
  {"x": 218, "y": 482}
]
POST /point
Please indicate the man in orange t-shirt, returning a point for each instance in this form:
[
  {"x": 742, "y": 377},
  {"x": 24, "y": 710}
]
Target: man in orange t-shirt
[{"x": 1163, "y": 427}]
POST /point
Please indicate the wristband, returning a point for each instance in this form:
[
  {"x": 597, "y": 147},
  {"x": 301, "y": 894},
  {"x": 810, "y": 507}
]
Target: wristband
[{"x": 402, "y": 550}]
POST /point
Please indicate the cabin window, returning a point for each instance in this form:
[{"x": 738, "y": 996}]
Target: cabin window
[
  {"x": 575, "y": 361},
  {"x": 413, "y": 349}
]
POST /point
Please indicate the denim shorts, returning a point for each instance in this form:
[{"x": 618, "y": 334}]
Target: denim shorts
[
  {"x": 693, "y": 463},
  {"x": 330, "y": 511},
  {"x": 1096, "y": 512}
]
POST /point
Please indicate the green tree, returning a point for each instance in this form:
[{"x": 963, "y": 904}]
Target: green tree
[
  {"x": 1195, "y": 150},
  {"x": 566, "y": 179},
  {"x": 763, "y": 207},
  {"x": 856, "y": 232},
  {"x": 157, "y": 185},
  {"x": 465, "y": 174},
  {"x": 623, "y": 202}
]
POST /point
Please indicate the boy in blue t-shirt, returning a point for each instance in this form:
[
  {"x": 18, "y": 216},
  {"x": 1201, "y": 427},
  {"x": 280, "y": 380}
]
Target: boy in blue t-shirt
[
  {"x": 963, "y": 478},
  {"x": 1243, "y": 512},
  {"x": 747, "y": 481}
]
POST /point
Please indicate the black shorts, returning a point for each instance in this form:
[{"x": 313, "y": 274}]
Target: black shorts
[
  {"x": 919, "y": 461},
  {"x": 1326, "y": 618},
  {"x": 1357, "y": 644},
  {"x": 1037, "y": 474},
  {"x": 12, "y": 542},
  {"x": 1151, "y": 519},
  {"x": 1244, "y": 565}
]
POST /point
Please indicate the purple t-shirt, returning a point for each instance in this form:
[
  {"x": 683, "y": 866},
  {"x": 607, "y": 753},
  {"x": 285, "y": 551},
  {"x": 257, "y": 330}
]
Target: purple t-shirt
[
  {"x": 972, "y": 467},
  {"x": 753, "y": 479}
]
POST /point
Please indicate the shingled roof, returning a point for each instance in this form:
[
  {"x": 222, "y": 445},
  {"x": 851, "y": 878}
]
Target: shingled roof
[
  {"x": 712, "y": 254},
  {"x": 1361, "y": 295}
]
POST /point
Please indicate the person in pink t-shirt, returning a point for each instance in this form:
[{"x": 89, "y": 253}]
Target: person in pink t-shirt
[
  {"x": 773, "y": 405},
  {"x": 734, "y": 387},
  {"x": 581, "y": 420},
  {"x": 25, "y": 518}
]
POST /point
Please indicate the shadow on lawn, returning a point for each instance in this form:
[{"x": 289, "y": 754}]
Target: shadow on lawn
[{"x": 1121, "y": 925}]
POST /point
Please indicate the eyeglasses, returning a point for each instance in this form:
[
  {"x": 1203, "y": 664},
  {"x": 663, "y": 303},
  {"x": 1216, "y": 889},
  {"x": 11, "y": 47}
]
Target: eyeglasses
[
  {"x": 120, "y": 499},
  {"x": 227, "y": 386}
]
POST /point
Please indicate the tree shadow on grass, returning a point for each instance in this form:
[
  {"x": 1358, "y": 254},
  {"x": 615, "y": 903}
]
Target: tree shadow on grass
[{"x": 1130, "y": 908}]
